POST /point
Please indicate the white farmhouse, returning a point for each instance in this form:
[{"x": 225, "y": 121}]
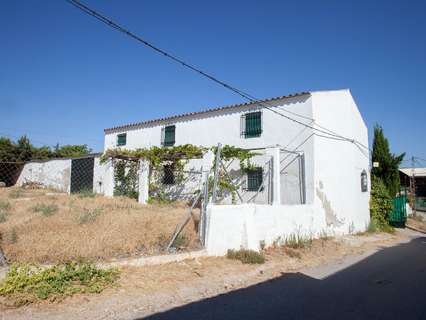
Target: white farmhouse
[
  {"x": 332, "y": 171},
  {"x": 312, "y": 172}
]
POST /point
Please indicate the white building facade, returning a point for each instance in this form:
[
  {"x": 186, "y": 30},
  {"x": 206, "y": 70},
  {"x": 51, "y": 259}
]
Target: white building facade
[{"x": 335, "y": 173}]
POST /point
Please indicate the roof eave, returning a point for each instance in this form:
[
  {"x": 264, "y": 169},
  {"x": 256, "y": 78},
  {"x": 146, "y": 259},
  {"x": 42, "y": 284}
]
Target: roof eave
[{"x": 210, "y": 110}]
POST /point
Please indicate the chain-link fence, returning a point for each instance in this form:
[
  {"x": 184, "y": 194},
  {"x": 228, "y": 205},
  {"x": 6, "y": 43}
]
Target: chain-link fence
[
  {"x": 184, "y": 185},
  {"x": 65, "y": 175},
  {"x": 10, "y": 172},
  {"x": 169, "y": 183}
]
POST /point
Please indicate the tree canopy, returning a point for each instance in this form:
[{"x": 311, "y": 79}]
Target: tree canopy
[
  {"x": 23, "y": 150},
  {"x": 387, "y": 171}
]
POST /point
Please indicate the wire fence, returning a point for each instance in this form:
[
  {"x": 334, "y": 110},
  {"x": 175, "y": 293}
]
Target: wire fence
[
  {"x": 186, "y": 185},
  {"x": 64, "y": 175},
  {"x": 236, "y": 184},
  {"x": 10, "y": 172},
  {"x": 168, "y": 183},
  {"x": 292, "y": 181}
]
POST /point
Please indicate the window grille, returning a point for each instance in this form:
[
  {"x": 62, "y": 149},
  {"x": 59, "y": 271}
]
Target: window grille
[
  {"x": 254, "y": 179},
  {"x": 251, "y": 125},
  {"x": 168, "y": 136},
  {"x": 121, "y": 139}
]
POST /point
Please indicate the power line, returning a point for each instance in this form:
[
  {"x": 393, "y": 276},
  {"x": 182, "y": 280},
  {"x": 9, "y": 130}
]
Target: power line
[
  {"x": 420, "y": 159},
  {"x": 241, "y": 93}
]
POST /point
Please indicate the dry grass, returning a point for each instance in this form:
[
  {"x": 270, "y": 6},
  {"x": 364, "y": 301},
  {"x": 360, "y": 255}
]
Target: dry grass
[{"x": 85, "y": 227}]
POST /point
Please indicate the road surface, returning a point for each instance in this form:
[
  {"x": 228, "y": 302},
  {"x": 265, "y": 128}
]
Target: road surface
[{"x": 390, "y": 284}]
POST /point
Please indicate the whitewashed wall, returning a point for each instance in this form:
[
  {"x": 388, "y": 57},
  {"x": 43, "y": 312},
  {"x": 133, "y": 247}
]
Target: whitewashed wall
[
  {"x": 338, "y": 165},
  {"x": 54, "y": 174},
  {"x": 249, "y": 225},
  {"x": 221, "y": 126},
  {"x": 100, "y": 183}
]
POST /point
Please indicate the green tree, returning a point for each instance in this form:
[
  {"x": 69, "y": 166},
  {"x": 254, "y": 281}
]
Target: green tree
[
  {"x": 24, "y": 149},
  {"x": 387, "y": 171},
  {"x": 7, "y": 150},
  {"x": 69, "y": 151},
  {"x": 380, "y": 204}
]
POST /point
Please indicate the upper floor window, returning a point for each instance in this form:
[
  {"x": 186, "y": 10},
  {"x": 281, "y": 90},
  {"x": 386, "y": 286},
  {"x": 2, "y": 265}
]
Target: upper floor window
[
  {"x": 121, "y": 139},
  {"x": 168, "y": 136},
  {"x": 251, "y": 124}
]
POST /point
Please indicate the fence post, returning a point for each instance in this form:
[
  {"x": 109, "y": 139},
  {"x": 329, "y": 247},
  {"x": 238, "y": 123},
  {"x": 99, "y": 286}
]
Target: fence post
[
  {"x": 216, "y": 173},
  {"x": 276, "y": 176},
  {"x": 143, "y": 181},
  {"x": 205, "y": 172},
  {"x": 109, "y": 178}
]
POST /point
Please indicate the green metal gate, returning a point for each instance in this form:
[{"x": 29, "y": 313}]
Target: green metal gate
[{"x": 398, "y": 216}]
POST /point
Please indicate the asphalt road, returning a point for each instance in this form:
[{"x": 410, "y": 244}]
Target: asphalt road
[{"x": 390, "y": 284}]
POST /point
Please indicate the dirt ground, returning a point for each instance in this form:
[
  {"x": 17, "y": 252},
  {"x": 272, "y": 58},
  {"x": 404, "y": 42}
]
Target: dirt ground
[
  {"x": 146, "y": 290},
  {"x": 417, "y": 224},
  {"x": 44, "y": 227}
]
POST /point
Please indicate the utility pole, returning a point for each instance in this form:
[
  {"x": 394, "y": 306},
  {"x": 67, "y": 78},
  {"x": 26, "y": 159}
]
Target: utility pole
[{"x": 413, "y": 184}]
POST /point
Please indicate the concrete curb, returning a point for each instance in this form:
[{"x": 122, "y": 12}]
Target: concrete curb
[
  {"x": 154, "y": 260},
  {"x": 414, "y": 229}
]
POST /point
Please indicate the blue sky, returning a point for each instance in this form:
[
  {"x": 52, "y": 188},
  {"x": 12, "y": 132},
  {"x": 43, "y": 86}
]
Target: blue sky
[{"x": 64, "y": 76}]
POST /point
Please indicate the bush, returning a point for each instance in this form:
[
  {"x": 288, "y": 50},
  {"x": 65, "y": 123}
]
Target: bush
[
  {"x": 4, "y": 210},
  {"x": 89, "y": 215},
  {"x": 380, "y": 204},
  {"x": 28, "y": 283},
  {"x": 86, "y": 193},
  {"x": 292, "y": 253},
  {"x": 16, "y": 193},
  {"x": 297, "y": 241},
  {"x": 4, "y": 205},
  {"x": 46, "y": 209},
  {"x": 372, "y": 226},
  {"x": 246, "y": 256},
  {"x": 3, "y": 216},
  {"x": 181, "y": 241}
]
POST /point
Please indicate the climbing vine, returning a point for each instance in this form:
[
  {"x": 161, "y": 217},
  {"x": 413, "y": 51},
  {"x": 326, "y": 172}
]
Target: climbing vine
[
  {"x": 126, "y": 178},
  {"x": 175, "y": 157},
  {"x": 228, "y": 153}
]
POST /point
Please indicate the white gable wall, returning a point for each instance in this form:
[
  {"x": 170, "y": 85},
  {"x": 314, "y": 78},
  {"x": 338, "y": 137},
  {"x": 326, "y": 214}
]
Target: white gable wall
[{"x": 338, "y": 165}]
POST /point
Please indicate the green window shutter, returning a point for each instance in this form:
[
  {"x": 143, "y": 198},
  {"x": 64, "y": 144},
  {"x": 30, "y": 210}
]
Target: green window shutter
[
  {"x": 253, "y": 125},
  {"x": 254, "y": 179},
  {"x": 121, "y": 139},
  {"x": 169, "y": 136}
]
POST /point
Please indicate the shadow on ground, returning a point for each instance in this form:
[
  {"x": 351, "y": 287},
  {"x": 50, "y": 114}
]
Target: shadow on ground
[{"x": 390, "y": 284}]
